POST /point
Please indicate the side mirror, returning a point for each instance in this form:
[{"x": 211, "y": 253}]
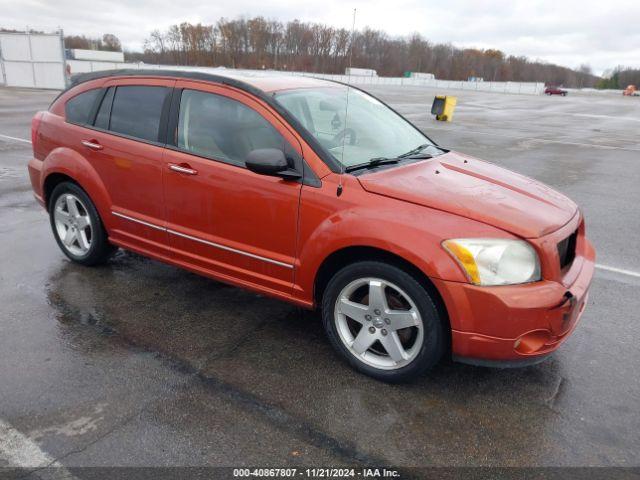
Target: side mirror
[{"x": 270, "y": 161}]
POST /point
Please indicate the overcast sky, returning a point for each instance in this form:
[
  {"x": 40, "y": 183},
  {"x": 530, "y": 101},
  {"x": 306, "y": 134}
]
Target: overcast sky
[{"x": 602, "y": 33}]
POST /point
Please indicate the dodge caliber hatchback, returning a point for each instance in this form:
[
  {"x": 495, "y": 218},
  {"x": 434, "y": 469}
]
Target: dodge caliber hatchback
[{"x": 323, "y": 196}]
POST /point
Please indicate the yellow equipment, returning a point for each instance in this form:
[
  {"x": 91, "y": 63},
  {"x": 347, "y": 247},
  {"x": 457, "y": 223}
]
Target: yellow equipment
[{"x": 443, "y": 107}]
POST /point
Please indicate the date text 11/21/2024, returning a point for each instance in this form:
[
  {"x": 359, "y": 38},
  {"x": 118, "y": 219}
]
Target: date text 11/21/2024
[{"x": 316, "y": 472}]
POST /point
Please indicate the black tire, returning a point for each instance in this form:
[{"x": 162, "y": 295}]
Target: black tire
[
  {"x": 100, "y": 249},
  {"x": 434, "y": 338}
]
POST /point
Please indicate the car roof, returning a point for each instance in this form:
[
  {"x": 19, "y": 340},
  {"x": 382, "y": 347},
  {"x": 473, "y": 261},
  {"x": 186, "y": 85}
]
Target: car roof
[
  {"x": 265, "y": 82},
  {"x": 276, "y": 81}
]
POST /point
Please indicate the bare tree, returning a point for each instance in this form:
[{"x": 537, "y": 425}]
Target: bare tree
[
  {"x": 111, "y": 43},
  {"x": 261, "y": 43}
]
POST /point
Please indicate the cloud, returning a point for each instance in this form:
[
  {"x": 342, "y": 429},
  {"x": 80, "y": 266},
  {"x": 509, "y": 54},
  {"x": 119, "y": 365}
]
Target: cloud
[{"x": 602, "y": 34}]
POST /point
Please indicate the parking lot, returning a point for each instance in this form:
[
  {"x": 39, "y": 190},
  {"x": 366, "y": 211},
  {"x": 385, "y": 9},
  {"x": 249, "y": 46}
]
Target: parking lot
[{"x": 138, "y": 363}]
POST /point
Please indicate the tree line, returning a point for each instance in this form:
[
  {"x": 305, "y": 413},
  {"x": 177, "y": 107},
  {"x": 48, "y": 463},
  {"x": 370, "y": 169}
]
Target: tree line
[
  {"x": 109, "y": 42},
  {"x": 260, "y": 43},
  {"x": 620, "y": 78}
]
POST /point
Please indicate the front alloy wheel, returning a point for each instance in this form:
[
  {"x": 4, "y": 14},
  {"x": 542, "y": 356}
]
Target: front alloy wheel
[
  {"x": 379, "y": 323},
  {"x": 382, "y": 321}
]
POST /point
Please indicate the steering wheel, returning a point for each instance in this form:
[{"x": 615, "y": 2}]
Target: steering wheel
[{"x": 339, "y": 137}]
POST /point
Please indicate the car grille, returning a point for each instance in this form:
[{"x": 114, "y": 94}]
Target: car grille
[{"x": 567, "y": 250}]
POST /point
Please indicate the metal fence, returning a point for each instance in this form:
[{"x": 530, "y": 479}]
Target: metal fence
[
  {"x": 33, "y": 60},
  {"x": 530, "y": 88}
]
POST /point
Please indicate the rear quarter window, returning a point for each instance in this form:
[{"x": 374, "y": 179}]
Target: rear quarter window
[{"x": 78, "y": 108}]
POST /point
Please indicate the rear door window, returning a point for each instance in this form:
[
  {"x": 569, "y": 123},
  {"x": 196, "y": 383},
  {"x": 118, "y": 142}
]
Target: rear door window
[
  {"x": 79, "y": 108},
  {"x": 218, "y": 127},
  {"x": 136, "y": 111}
]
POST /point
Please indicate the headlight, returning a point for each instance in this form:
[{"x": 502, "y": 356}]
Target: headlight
[{"x": 494, "y": 261}]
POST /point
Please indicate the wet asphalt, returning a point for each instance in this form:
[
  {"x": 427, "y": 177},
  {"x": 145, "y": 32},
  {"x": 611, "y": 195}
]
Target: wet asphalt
[{"x": 138, "y": 363}]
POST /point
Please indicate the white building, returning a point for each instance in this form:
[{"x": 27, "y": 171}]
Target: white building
[
  {"x": 360, "y": 72},
  {"x": 94, "y": 55}
]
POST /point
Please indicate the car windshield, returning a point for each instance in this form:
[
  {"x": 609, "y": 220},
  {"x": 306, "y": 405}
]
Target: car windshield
[{"x": 370, "y": 130}]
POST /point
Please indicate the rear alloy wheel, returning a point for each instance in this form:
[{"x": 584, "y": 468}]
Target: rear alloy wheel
[
  {"x": 382, "y": 321},
  {"x": 73, "y": 224},
  {"x": 77, "y": 226}
]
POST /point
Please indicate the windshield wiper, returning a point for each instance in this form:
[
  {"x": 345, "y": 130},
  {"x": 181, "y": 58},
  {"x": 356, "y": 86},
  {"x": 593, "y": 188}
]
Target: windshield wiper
[
  {"x": 374, "y": 162},
  {"x": 416, "y": 150}
]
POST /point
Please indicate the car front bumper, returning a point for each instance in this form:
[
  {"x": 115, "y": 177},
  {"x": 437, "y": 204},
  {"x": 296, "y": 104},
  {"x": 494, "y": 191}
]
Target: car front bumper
[{"x": 517, "y": 325}]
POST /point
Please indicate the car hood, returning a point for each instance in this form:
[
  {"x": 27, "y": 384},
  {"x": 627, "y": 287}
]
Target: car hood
[{"x": 469, "y": 187}]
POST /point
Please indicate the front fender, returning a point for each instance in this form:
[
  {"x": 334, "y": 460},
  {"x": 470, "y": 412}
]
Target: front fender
[{"x": 329, "y": 223}]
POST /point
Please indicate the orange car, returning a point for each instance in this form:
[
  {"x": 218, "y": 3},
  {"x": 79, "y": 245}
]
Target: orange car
[
  {"x": 323, "y": 196},
  {"x": 631, "y": 91}
]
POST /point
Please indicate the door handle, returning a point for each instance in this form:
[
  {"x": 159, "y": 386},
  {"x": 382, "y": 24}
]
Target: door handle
[
  {"x": 92, "y": 144},
  {"x": 186, "y": 169}
]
